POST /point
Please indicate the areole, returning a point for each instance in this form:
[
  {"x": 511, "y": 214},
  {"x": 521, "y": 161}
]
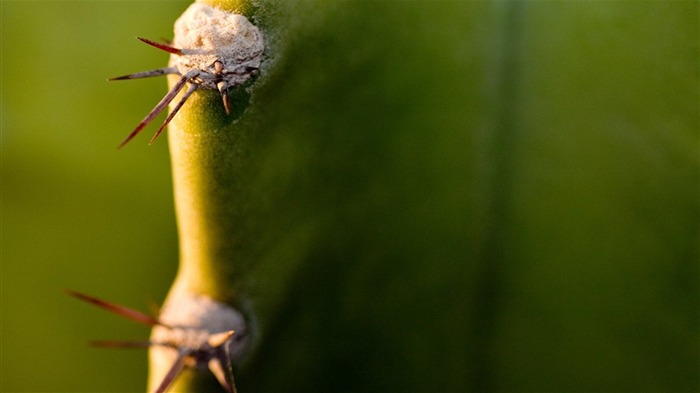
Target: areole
[
  {"x": 212, "y": 49},
  {"x": 192, "y": 331}
]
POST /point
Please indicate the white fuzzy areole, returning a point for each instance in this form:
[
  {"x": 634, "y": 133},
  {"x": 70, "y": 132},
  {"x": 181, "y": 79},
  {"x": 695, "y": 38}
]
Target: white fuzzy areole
[
  {"x": 207, "y": 34},
  {"x": 193, "y": 319}
]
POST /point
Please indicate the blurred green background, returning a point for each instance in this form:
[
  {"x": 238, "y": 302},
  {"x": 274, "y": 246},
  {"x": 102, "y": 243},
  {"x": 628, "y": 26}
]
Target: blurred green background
[
  {"x": 454, "y": 196},
  {"x": 76, "y": 212}
]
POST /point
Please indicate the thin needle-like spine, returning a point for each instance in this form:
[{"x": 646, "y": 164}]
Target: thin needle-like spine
[
  {"x": 160, "y": 46},
  {"x": 215, "y": 350},
  {"x": 147, "y": 74},
  {"x": 172, "y": 114},
  {"x": 225, "y": 360},
  {"x": 223, "y": 90},
  {"x": 120, "y": 344},
  {"x": 220, "y": 365},
  {"x": 130, "y": 344},
  {"x": 160, "y": 106},
  {"x": 174, "y": 371},
  {"x": 120, "y": 310}
]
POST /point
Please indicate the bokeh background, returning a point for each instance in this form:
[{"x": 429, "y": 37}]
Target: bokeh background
[
  {"x": 76, "y": 212},
  {"x": 494, "y": 196}
]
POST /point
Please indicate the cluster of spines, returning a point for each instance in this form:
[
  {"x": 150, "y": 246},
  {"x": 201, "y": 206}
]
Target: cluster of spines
[
  {"x": 190, "y": 76},
  {"x": 217, "y": 343}
]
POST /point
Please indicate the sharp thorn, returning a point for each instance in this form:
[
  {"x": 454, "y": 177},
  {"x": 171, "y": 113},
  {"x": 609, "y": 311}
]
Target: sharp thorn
[
  {"x": 147, "y": 74},
  {"x": 224, "y": 354},
  {"x": 172, "y": 114},
  {"x": 218, "y": 339},
  {"x": 120, "y": 344},
  {"x": 160, "y": 106},
  {"x": 224, "y": 376},
  {"x": 129, "y": 344},
  {"x": 160, "y": 46},
  {"x": 227, "y": 106},
  {"x": 125, "y": 312},
  {"x": 223, "y": 89},
  {"x": 173, "y": 372}
]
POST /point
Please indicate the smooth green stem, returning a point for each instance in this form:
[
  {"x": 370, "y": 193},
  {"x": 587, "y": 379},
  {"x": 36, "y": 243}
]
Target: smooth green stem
[{"x": 206, "y": 153}]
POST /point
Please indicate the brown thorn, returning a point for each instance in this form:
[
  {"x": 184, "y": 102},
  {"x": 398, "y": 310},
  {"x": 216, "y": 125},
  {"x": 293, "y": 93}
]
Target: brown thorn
[
  {"x": 120, "y": 344},
  {"x": 172, "y": 114},
  {"x": 224, "y": 376},
  {"x": 160, "y": 46},
  {"x": 147, "y": 74},
  {"x": 174, "y": 371},
  {"x": 223, "y": 87},
  {"x": 129, "y": 344},
  {"x": 224, "y": 355},
  {"x": 160, "y": 106},
  {"x": 117, "y": 309},
  {"x": 218, "y": 339}
]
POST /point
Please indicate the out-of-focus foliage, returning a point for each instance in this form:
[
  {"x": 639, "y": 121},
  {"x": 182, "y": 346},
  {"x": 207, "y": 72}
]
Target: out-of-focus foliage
[
  {"x": 444, "y": 196},
  {"x": 76, "y": 212}
]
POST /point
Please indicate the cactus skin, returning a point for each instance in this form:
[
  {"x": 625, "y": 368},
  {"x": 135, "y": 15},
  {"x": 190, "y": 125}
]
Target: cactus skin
[{"x": 441, "y": 198}]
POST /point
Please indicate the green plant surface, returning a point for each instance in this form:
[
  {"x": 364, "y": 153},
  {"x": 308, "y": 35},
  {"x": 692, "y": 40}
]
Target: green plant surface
[
  {"x": 470, "y": 196},
  {"x": 435, "y": 196}
]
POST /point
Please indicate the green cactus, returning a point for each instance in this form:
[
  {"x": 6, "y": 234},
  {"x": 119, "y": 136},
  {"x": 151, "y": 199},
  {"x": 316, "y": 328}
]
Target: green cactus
[{"x": 452, "y": 196}]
